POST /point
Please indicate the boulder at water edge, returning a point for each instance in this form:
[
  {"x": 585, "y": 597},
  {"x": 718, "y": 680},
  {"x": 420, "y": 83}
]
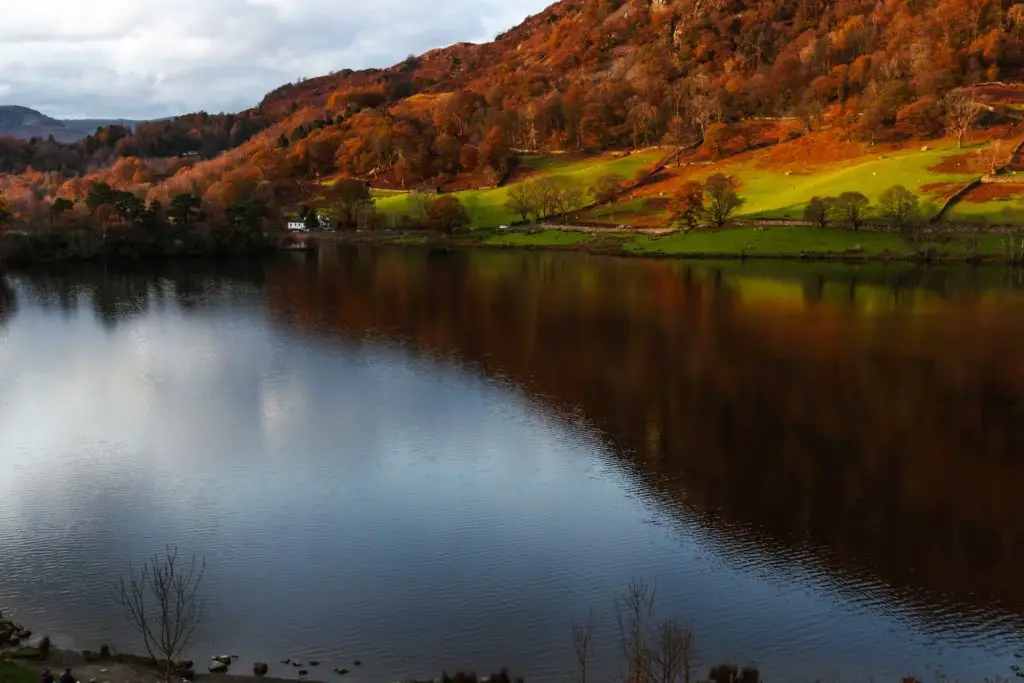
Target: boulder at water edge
[
  {"x": 223, "y": 659},
  {"x": 260, "y": 668},
  {"x": 218, "y": 667}
]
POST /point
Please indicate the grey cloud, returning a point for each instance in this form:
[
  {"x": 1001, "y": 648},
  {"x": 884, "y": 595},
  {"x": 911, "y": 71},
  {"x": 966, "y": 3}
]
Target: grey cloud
[{"x": 164, "y": 57}]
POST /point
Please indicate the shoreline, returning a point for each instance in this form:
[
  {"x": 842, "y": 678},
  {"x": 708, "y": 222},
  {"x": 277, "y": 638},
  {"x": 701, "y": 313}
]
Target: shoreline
[
  {"x": 130, "y": 668},
  {"x": 34, "y": 651}
]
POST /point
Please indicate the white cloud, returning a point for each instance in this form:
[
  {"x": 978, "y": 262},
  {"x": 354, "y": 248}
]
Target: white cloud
[{"x": 149, "y": 58}]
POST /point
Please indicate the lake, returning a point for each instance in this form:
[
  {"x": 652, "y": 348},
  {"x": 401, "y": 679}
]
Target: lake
[{"x": 435, "y": 461}]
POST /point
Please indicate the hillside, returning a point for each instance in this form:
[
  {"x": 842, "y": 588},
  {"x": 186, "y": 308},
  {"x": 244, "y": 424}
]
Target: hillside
[
  {"x": 585, "y": 78},
  {"x": 24, "y": 124}
]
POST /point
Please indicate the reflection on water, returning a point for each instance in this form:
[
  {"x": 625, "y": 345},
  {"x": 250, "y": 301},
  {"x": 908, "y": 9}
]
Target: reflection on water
[{"x": 443, "y": 458}]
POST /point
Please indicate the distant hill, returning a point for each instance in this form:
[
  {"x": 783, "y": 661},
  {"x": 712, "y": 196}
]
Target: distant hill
[{"x": 24, "y": 123}]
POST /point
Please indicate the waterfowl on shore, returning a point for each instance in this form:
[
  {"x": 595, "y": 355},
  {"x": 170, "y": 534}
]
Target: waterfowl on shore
[{"x": 286, "y": 661}]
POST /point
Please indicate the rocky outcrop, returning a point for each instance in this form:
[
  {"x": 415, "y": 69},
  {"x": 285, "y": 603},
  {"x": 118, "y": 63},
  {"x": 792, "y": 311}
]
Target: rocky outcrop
[
  {"x": 218, "y": 667},
  {"x": 260, "y": 668}
]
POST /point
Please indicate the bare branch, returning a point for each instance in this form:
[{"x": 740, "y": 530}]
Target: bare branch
[
  {"x": 161, "y": 601},
  {"x": 582, "y": 636},
  {"x": 634, "y": 612}
]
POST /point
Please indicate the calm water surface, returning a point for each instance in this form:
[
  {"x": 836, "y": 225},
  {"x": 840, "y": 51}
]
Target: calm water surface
[{"x": 439, "y": 461}]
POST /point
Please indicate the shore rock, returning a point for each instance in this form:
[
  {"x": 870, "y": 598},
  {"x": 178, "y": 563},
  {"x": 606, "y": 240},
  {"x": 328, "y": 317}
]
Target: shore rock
[
  {"x": 218, "y": 667},
  {"x": 223, "y": 659},
  {"x": 260, "y": 668},
  {"x": 303, "y": 672}
]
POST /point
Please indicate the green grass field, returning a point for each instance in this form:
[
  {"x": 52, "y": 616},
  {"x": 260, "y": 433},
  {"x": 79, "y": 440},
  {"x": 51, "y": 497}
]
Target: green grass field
[
  {"x": 773, "y": 194},
  {"x": 770, "y": 193},
  {"x": 17, "y": 673},
  {"x": 778, "y": 242},
  {"x": 794, "y": 241},
  {"x": 541, "y": 238},
  {"x": 487, "y": 207},
  {"x": 773, "y": 242},
  {"x": 994, "y": 212}
]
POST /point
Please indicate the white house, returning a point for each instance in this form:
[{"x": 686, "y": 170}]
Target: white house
[{"x": 299, "y": 225}]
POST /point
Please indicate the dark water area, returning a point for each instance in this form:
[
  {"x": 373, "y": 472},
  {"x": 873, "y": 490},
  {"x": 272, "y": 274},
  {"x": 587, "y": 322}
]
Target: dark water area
[{"x": 432, "y": 461}]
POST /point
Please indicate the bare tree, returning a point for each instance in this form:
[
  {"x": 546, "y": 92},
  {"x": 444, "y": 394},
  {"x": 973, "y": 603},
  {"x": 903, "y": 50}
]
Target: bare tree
[
  {"x": 634, "y": 612},
  {"x": 566, "y": 198},
  {"x": 641, "y": 117},
  {"x": 607, "y": 187},
  {"x": 961, "y": 112},
  {"x": 723, "y": 201},
  {"x": 673, "y": 652},
  {"x": 544, "y": 192},
  {"x": 520, "y": 200},
  {"x": 995, "y": 156},
  {"x": 161, "y": 600},
  {"x": 582, "y": 637},
  {"x": 419, "y": 204}
]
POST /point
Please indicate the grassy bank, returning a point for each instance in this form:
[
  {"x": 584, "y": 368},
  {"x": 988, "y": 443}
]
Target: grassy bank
[
  {"x": 782, "y": 242},
  {"x": 776, "y": 182},
  {"x": 487, "y": 207},
  {"x": 11, "y": 672}
]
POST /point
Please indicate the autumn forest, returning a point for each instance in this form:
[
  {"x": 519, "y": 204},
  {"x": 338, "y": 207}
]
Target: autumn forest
[{"x": 710, "y": 79}]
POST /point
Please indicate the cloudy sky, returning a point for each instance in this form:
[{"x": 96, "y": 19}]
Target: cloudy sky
[{"x": 151, "y": 58}]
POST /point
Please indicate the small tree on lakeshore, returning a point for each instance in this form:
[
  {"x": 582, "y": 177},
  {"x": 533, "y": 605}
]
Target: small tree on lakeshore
[
  {"x": 853, "y": 208},
  {"x": 673, "y": 652},
  {"x": 520, "y": 201},
  {"x": 722, "y": 200},
  {"x": 350, "y": 195},
  {"x": 634, "y": 614},
  {"x": 820, "y": 210},
  {"x": 566, "y": 199},
  {"x": 419, "y": 205},
  {"x": 899, "y": 205},
  {"x": 687, "y": 205},
  {"x": 582, "y": 639},
  {"x": 654, "y": 651},
  {"x": 447, "y": 214},
  {"x": 161, "y": 601}
]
